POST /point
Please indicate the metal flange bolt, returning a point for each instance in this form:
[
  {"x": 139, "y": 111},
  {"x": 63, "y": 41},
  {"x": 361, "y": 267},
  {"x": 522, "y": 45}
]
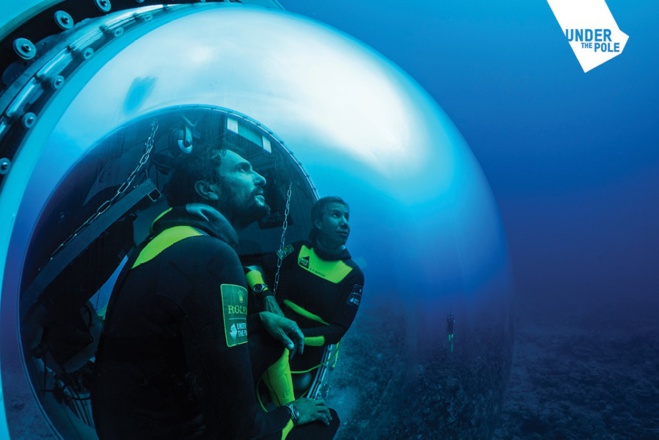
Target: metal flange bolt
[
  {"x": 113, "y": 33},
  {"x": 63, "y": 20},
  {"x": 103, "y": 5},
  {"x": 29, "y": 119},
  {"x": 87, "y": 53},
  {"x": 146, "y": 16},
  {"x": 5, "y": 164},
  {"x": 56, "y": 82},
  {"x": 24, "y": 48}
]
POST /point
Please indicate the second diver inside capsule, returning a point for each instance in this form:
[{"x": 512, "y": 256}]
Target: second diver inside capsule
[{"x": 320, "y": 287}]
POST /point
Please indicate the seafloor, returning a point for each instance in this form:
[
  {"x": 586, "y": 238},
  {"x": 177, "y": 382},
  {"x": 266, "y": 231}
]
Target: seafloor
[{"x": 585, "y": 372}]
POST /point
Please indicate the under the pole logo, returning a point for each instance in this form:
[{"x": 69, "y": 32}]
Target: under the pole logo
[{"x": 590, "y": 29}]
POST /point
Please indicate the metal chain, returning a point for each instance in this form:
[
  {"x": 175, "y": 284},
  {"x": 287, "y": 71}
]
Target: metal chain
[
  {"x": 148, "y": 146},
  {"x": 280, "y": 252}
]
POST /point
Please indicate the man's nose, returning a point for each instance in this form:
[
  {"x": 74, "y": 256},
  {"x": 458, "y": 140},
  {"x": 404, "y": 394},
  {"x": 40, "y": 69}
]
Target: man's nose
[{"x": 259, "y": 180}]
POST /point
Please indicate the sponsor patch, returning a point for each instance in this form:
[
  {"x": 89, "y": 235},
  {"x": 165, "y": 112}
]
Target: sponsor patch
[
  {"x": 355, "y": 296},
  {"x": 234, "y": 311},
  {"x": 283, "y": 253}
]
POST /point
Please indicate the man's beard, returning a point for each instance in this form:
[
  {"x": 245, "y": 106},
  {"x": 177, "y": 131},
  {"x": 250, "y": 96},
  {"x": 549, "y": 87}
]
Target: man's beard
[
  {"x": 248, "y": 215},
  {"x": 240, "y": 212}
]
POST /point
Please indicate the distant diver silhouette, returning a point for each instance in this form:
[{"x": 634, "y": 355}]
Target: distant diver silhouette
[{"x": 450, "y": 321}]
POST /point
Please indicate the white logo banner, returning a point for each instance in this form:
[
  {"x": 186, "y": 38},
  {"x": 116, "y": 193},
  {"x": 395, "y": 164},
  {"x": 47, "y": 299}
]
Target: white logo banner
[{"x": 590, "y": 29}]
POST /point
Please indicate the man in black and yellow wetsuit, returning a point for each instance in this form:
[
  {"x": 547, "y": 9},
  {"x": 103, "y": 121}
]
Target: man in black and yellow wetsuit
[
  {"x": 175, "y": 360},
  {"x": 320, "y": 285}
]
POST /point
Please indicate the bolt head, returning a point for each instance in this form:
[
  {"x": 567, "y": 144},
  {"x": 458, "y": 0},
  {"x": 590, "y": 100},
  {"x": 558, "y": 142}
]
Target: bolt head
[{"x": 5, "y": 164}]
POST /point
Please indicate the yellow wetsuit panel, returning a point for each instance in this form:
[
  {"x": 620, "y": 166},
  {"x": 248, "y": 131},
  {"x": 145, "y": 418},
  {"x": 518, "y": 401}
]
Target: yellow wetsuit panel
[
  {"x": 164, "y": 240},
  {"x": 332, "y": 271},
  {"x": 303, "y": 312},
  {"x": 287, "y": 429}
]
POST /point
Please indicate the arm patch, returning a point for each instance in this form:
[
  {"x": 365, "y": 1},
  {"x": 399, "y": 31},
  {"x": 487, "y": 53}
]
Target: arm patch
[
  {"x": 234, "y": 312},
  {"x": 355, "y": 296}
]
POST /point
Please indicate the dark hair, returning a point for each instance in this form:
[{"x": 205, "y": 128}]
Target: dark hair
[
  {"x": 200, "y": 164},
  {"x": 317, "y": 212}
]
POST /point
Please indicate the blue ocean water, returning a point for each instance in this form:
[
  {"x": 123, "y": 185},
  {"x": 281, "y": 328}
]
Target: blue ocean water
[
  {"x": 541, "y": 128},
  {"x": 572, "y": 157}
]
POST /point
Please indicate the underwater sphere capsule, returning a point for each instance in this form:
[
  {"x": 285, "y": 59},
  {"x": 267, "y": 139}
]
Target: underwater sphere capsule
[{"x": 336, "y": 118}]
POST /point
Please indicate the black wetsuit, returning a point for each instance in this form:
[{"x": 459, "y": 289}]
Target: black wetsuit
[
  {"x": 328, "y": 286},
  {"x": 174, "y": 361}
]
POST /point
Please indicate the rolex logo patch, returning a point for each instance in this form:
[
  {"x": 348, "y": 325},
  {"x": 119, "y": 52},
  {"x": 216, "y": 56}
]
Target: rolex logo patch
[{"x": 234, "y": 312}]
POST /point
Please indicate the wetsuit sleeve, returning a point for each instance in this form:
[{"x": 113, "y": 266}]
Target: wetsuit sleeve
[
  {"x": 260, "y": 269},
  {"x": 254, "y": 324},
  {"x": 351, "y": 294},
  {"x": 268, "y": 264},
  {"x": 217, "y": 353}
]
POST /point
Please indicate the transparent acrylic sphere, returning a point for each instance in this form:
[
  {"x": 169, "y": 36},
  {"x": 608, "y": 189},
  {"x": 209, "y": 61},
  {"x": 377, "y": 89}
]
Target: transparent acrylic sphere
[{"x": 425, "y": 228}]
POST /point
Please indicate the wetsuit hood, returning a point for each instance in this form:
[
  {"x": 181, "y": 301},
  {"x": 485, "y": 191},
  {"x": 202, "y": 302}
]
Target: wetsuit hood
[{"x": 199, "y": 216}]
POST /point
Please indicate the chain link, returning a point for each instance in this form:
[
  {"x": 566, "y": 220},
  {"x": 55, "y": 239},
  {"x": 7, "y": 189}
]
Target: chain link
[
  {"x": 148, "y": 146},
  {"x": 282, "y": 243}
]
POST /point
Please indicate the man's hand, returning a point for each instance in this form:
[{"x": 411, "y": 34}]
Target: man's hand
[
  {"x": 271, "y": 305},
  {"x": 312, "y": 410},
  {"x": 284, "y": 330}
]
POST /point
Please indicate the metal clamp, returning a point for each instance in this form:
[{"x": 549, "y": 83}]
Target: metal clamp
[
  {"x": 24, "y": 48},
  {"x": 5, "y": 165},
  {"x": 103, "y": 5},
  {"x": 64, "y": 20},
  {"x": 29, "y": 119}
]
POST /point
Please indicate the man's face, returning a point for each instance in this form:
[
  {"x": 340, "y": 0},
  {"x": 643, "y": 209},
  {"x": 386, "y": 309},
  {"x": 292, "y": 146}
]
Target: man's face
[
  {"x": 333, "y": 227},
  {"x": 240, "y": 191}
]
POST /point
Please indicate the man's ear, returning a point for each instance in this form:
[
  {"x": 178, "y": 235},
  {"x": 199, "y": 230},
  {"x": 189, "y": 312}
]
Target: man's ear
[
  {"x": 206, "y": 190},
  {"x": 318, "y": 224}
]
